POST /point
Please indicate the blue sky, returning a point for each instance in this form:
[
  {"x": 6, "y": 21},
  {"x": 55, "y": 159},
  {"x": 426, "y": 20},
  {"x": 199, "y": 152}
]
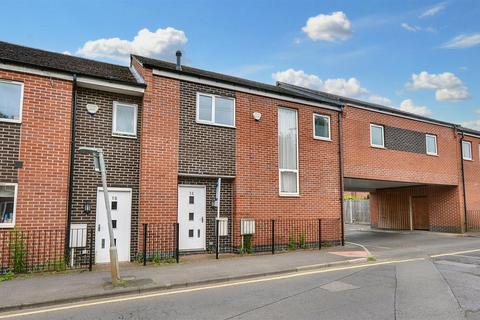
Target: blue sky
[{"x": 421, "y": 56}]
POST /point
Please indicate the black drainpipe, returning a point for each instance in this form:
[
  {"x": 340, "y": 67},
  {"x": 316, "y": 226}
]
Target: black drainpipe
[
  {"x": 72, "y": 158},
  {"x": 463, "y": 181},
  {"x": 340, "y": 161}
]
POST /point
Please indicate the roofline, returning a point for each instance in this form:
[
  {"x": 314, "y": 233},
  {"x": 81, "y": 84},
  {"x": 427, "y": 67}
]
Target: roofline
[{"x": 65, "y": 73}]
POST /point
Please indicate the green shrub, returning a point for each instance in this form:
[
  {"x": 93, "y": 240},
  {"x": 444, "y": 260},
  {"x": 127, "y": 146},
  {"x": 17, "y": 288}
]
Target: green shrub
[
  {"x": 7, "y": 276},
  {"x": 18, "y": 251},
  {"x": 302, "y": 241},
  {"x": 247, "y": 244},
  {"x": 292, "y": 243}
]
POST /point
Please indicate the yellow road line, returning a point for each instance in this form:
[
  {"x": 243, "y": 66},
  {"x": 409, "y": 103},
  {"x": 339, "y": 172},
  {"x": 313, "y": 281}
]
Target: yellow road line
[
  {"x": 201, "y": 288},
  {"x": 454, "y": 253}
]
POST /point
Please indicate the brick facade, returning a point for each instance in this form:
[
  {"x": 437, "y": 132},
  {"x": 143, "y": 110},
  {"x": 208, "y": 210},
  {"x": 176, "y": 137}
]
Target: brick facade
[
  {"x": 9, "y": 151},
  {"x": 122, "y": 156}
]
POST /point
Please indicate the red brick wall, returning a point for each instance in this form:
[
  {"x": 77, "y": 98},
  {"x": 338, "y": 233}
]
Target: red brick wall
[
  {"x": 257, "y": 180},
  {"x": 364, "y": 161},
  {"x": 159, "y": 150},
  {"x": 472, "y": 175},
  {"x": 45, "y": 150}
]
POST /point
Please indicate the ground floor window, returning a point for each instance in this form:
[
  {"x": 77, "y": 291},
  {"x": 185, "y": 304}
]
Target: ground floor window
[{"x": 8, "y": 197}]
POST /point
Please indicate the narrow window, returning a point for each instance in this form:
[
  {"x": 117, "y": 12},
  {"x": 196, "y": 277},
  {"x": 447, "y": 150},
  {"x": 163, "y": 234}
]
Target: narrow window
[
  {"x": 467, "y": 150},
  {"x": 431, "y": 141},
  {"x": 124, "y": 119},
  {"x": 288, "y": 151},
  {"x": 11, "y": 96},
  {"x": 377, "y": 137},
  {"x": 217, "y": 110},
  {"x": 321, "y": 127},
  {"x": 8, "y": 200}
]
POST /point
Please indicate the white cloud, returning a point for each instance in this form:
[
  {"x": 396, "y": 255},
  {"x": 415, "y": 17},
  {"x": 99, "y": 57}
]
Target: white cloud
[
  {"x": 408, "y": 106},
  {"x": 463, "y": 41},
  {"x": 380, "y": 100},
  {"x": 299, "y": 78},
  {"x": 433, "y": 10},
  {"x": 472, "y": 124},
  {"x": 159, "y": 44},
  {"x": 67, "y": 52},
  {"x": 333, "y": 27},
  {"x": 447, "y": 86},
  {"x": 409, "y": 27}
]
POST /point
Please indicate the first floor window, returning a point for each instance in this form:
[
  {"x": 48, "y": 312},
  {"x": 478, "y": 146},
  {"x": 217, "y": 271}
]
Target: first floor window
[
  {"x": 431, "y": 141},
  {"x": 124, "y": 119},
  {"x": 11, "y": 96},
  {"x": 212, "y": 109},
  {"x": 377, "y": 137},
  {"x": 321, "y": 127},
  {"x": 8, "y": 193},
  {"x": 288, "y": 151},
  {"x": 467, "y": 150}
]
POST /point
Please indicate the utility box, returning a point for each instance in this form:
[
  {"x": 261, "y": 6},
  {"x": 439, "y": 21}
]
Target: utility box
[
  {"x": 247, "y": 226},
  {"x": 222, "y": 226},
  {"x": 78, "y": 235}
]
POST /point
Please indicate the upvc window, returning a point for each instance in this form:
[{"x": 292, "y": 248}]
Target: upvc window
[
  {"x": 288, "y": 151},
  {"x": 8, "y": 200},
  {"x": 377, "y": 136},
  {"x": 11, "y": 100},
  {"x": 124, "y": 119},
  {"x": 467, "y": 150},
  {"x": 321, "y": 127},
  {"x": 431, "y": 141},
  {"x": 216, "y": 110}
]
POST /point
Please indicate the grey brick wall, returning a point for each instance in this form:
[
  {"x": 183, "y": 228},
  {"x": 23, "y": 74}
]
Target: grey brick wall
[
  {"x": 9, "y": 151},
  {"x": 122, "y": 156},
  {"x": 226, "y": 207},
  {"x": 204, "y": 149},
  {"x": 405, "y": 140}
]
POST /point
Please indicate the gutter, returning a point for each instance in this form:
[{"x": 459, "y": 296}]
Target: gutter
[
  {"x": 72, "y": 159},
  {"x": 462, "y": 161},
  {"x": 340, "y": 162}
]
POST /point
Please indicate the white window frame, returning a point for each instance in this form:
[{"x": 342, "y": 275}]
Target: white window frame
[
  {"x": 383, "y": 136},
  {"x": 329, "y": 138},
  {"x": 117, "y": 133},
  {"x": 21, "y": 84},
  {"x": 436, "y": 144},
  {"x": 297, "y": 171},
  {"x": 11, "y": 224},
  {"x": 471, "y": 150},
  {"x": 212, "y": 122}
]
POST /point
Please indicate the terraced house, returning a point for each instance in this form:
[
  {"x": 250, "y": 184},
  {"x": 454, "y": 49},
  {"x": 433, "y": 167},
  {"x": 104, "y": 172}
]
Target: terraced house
[{"x": 174, "y": 137}]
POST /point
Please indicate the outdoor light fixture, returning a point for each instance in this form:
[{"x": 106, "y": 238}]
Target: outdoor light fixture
[
  {"x": 99, "y": 164},
  {"x": 257, "y": 116},
  {"x": 87, "y": 207},
  {"x": 92, "y": 108}
]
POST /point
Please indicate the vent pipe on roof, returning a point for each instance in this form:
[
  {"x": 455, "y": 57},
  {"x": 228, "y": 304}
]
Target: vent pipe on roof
[{"x": 179, "y": 60}]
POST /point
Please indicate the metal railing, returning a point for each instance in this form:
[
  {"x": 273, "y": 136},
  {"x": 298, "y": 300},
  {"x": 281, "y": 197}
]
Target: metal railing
[
  {"x": 159, "y": 243},
  {"x": 44, "y": 250},
  {"x": 473, "y": 220}
]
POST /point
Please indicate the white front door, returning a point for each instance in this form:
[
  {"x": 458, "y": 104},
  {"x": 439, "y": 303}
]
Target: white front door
[
  {"x": 191, "y": 217},
  {"x": 121, "y": 207}
]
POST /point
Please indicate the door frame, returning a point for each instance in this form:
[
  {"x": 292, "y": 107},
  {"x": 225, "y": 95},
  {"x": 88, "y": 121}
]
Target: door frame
[
  {"x": 412, "y": 227},
  {"x": 198, "y": 186},
  {"x": 116, "y": 189}
]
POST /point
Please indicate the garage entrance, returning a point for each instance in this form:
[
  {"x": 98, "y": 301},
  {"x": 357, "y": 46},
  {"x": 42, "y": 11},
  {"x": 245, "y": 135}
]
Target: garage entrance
[{"x": 420, "y": 219}]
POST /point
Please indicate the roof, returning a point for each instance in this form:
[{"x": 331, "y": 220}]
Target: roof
[
  {"x": 53, "y": 61},
  {"x": 171, "y": 67}
]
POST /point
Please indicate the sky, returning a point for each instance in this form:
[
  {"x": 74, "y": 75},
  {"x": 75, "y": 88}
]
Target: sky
[{"x": 418, "y": 56}]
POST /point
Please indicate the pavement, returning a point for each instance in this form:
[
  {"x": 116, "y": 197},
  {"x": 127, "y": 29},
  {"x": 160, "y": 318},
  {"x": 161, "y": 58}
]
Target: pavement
[
  {"x": 417, "y": 275},
  {"x": 40, "y": 290}
]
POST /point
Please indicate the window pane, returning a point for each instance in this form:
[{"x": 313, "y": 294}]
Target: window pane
[
  {"x": 287, "y": 139},
  {"x": 7, "y": 203},
  {"x": 10, "y": 95},
  {"x": 431, "y": 145},
  {"x": 467, "y": 150},
  {"x": 377, "y": 136},
  {"x": 322, "y": 127},
  {"x": 205, "y": 108},
  {"x": 288, "y": 183},
  {"x": 224, "y": 111},
  {"x": 125, "y": 119}
]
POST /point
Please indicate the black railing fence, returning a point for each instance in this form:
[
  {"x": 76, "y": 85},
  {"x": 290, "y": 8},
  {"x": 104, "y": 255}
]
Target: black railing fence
[
  {"x": 44, "y": 250},
  {"x": 159, "y": 243},
  {"x": 473, "y": 220}
]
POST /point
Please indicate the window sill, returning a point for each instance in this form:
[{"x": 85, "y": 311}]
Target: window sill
[
  {"x": 119, "y": 135},
  {"x": 289, "y": 195},
  {"x": 322, "y": 139},
  {"x": 215, "y": 124},
  {"x": 10, "y": 120},
  {"x": 432, "y": 154},
  {"x": 468, "y": 159},
  {"x": 7, "y": 225},
  {"x": 378, "y": 147}
]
